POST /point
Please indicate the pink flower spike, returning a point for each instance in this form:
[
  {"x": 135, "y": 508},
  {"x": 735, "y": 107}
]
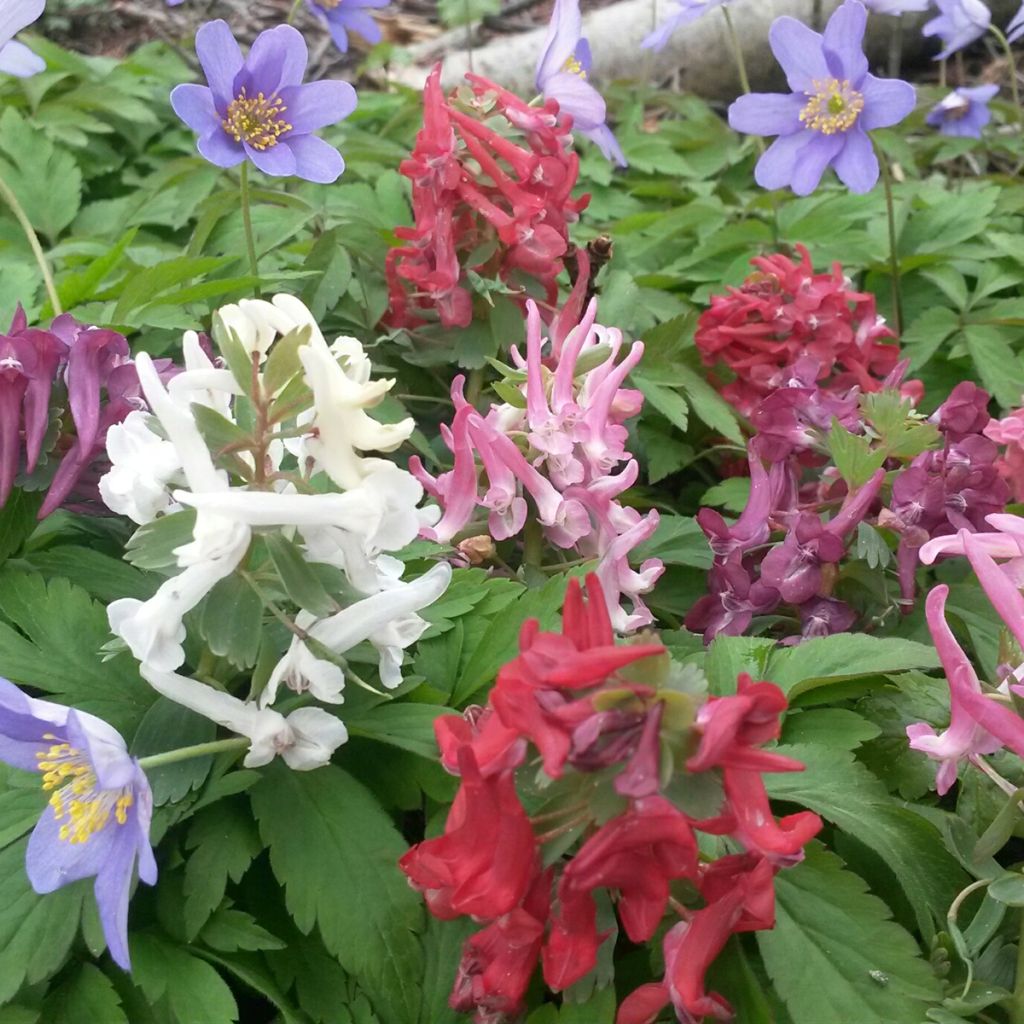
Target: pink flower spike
[
  {"x": 459, "y": 485},
  {"x": 996, "y": 545},
  {"x": 1005, "y": 597},
  {"x": 972, "y": 715}
]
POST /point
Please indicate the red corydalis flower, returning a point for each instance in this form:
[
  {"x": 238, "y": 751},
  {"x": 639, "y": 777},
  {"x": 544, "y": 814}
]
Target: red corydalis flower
[
  {"x": 784, "y": 312},
  {"x": 540, "y": 694},
  {"x": 638, "y": 854},
  {"x": 498, "y": 961},
  {"x": 740, "y": 897},
  {"x": 486, "y": 859},
  {"x": 496, "y": 201}
]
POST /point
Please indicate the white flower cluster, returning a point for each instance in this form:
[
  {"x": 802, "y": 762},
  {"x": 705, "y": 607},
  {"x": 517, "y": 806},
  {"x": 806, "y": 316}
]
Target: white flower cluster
[{"x": 160, "y": 463}]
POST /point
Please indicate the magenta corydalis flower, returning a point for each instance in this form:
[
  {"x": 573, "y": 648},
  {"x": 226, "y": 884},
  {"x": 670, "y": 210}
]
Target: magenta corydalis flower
[
  {"x": 686, "y": 11},
  {"x": 834, "y": 104},
  {"x": 256, "y": 108},
  {"x": 562, "y": 76},
  {"x": 959, "y": 23},
  {"x": 964, "y": 112},
  {"x": 16, "y": 58},
  {"x": 97, "y": 820},
  {"x": 344, "y": 16}
]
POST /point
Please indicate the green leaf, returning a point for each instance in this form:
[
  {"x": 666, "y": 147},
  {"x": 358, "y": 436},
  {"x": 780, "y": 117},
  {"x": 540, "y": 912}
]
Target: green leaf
[
  {"x": 231, "y": 621},
  {"x": 332, "y": 269},
  {"x": 104, "y": 577},
  {"x": 709, "y": 405},
  {"x": 17, "y": 521},
  {"x": 224, "y": 842},
  {"x": 53, "y": 644},
  {"x": 46, "y": 180},
  {"x": 167, "y": 726},
  {"x": 830, "y": 659},
  {"x": 852, "y": 455},
  {"x": 998, "y": 366},
  {"x": 231, "y": 930},
  {"x": 844, "y": 792},
  {"x": 732, "y": 494},
  {"x": 678, "y": 540},
  {"x": 189, "y": 988},
  {"x": 835, "y": 955},
  {"x": 669, "y": 403},
  {"x": 407, "y": 726},
  {"x": 335, "y": 852},
  {"x": 925, "y": 336},
  {"x": 36, "y": 932},
  {"x": 442, "y": 944},
  {"x": 152, "y": 546},
  {"x": 1008, "y": 889},
  {"x": 87, "y": 997},
  {"x": 74, "y": 289},
  {"x": 297, "y": 576}
]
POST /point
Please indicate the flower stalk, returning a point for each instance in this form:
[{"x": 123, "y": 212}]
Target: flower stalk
[
  {"x": 1011, "y": 64},
  {"x": 33, "y": 240},
  {"x": 894, "y": 259},
  {"x": 196, "y": 750},
  {"x": 250, "y": 238}
]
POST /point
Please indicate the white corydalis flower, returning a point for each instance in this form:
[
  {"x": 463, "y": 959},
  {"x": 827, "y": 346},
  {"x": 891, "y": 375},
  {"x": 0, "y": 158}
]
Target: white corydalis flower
[
  {"x": 305, "y": 739},
  {"x": 387, "y": 619},
  {"x": 153, "y": 629},
  {"x": 341, "y": 396},
  {"x": 142, "y": 467}
]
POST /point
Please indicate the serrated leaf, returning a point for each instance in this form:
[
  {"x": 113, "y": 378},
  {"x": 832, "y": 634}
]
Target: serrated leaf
[
  {"x": 835, "y": 954},
  {"x": 189, "y": 988},
  {"x": 104, "y": 577},
  {"x": 224, "y": 842},
  {"x": 852, "y": 455},
  {"x": 87, "y": 997},
  {"x": 46, "y": 180},
  {"x": 36, "y": 932},
  {"x": 407, "y": 726},
  {"x": 668, "y": 402},
  {"x": 844, "y": 792},
  {"x": 17, "y": 520},
  {"x": 335, "y": 852},
  {"x": 231, "y": 620},
  {"x": 53, "y": 644},
  {"x": 300, "y": 582},
  {"x": 229, "y": 931},
  {"x": 168, "y": 726},
  {"x": 332, "y": 268}
]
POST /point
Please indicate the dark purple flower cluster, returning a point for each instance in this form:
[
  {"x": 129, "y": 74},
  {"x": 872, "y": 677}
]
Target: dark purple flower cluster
[
  {"x": 86, "y": 370},
  {"x": 951, "y": 489}
]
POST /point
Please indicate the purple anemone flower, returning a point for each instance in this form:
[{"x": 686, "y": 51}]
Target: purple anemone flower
[
  {"x": 344, "y": 16},
  {"x": 562, "y": 75},
  {"x": 686, "y": 11},
  {"x": 16, "y": 58},
  {"x": 97, "y": 820},
  {"x": 963, "y": 112},
  {"x": 834, "y": 104},
  {"x": 1016, "y": 27},
  {"x": 960, "y": 23},
  {"x": 257, "y": 108}
]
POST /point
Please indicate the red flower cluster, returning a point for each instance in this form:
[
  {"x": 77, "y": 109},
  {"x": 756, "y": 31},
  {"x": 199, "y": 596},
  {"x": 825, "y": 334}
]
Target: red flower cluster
[
  {"x": 496, "y": 201},
  {"x": 785, "y": 312},
  {"x": 612, "y": 734}
]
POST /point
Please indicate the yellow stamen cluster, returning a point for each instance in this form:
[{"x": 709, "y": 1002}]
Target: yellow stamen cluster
[
  {"x": 256, "y": 120},
  {"x": 573, "y": 67},
  {"x": 834, "y": 106},
  {"x": 68, "y": 774}
]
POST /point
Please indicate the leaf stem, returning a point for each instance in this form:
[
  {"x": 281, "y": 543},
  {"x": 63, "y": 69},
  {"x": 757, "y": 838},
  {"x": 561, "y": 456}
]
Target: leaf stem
[
  {"x": 198, "y": 750},
  {"x": 894, "y": 259},
  {"x": 250, "y": 238},
  {"x": 33, "y": 240},
  {"x": 1016, "y": 1008}
]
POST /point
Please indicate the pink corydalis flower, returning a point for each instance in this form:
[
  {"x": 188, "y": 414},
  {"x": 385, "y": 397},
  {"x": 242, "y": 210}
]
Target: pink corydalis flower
[
  {"x": 562, "y": 447},
  {"x": 978, "y": 725},
  {"x": 1009, "y": 431}
]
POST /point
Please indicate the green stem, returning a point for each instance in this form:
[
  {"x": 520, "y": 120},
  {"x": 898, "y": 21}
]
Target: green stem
[
  {"x": 1012, "y": 64},
  {"x": 293, "y": 11},
  {"x": 737, "y": 50},
  {"x": 894, "y": 259},
  {"x": 533, "y": 541},
  {"x": 1016, "y": 1008},
  {"x": 942, "y": 73},
  {"x": 896, "y": 48},
  {"x": 250, "y": 238},
  {"x": 186, "y": 753},
  {"x": 33, "y": 240}
]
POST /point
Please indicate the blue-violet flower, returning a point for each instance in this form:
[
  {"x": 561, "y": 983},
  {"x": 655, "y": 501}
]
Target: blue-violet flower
[
  {"x": 686, "y": 11},
  {"x": 562, "y": 76},
  {"x": 964, "y": 111},
  {"x": 959, "y": 23},
  {"x": 16, "y": 58},
  {"x": 344, "y": 16},
  {"x": 97, "y": 820},
  {"x": 257, "y": 108},
  {"x": 834, "y": 104}
]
